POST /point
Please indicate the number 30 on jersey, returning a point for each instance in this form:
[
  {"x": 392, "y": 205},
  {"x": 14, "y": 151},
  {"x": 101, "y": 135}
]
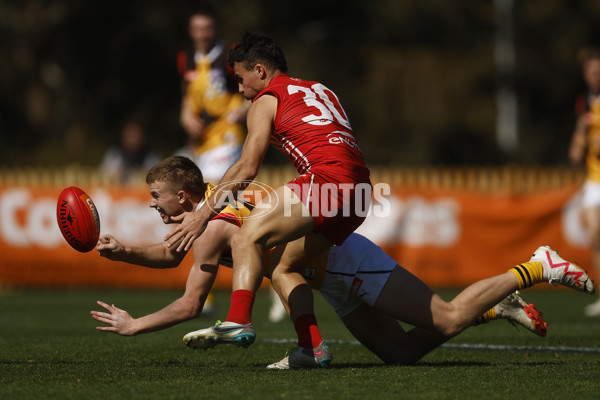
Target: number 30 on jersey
[{"x": 315, "y": 96}]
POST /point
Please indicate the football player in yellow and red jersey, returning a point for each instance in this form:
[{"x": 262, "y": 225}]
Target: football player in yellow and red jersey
[
  {"x": 212, "y": 112},
  {"x": 585, "y": 146},
  {"x": 176, "y": 184},
  {"x": 368, "y": 289}
]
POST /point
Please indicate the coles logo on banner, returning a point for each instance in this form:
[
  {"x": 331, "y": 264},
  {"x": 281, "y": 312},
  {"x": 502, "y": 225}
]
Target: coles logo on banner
[{"x": 28, "y": 217}]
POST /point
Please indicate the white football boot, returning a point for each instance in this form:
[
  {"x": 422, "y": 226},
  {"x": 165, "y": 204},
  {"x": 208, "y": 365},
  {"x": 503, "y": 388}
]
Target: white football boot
[
  {"x": 518, "y": 312},
  {"x": 222, "y": 333},
  {"x": 320, "y": 356},
  {"x": 558, "y": 271}
]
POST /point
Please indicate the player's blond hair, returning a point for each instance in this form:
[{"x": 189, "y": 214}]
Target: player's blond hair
[{"x": 179, "y": 173}]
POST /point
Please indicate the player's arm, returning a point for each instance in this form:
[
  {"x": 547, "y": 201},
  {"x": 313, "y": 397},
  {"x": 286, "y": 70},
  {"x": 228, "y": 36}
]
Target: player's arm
[
  {"x": 579, "y": 139},
  {"x": 207, "y": 251},
  {"x": 191, "y": 122},
  {"x": 260, "y": 124},
  {"x": 152, "y": 256},
  {"x": 238, "y": 115}
]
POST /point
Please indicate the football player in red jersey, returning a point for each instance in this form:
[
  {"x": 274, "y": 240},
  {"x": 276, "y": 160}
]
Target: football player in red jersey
[{"x": 321, "y": 207}]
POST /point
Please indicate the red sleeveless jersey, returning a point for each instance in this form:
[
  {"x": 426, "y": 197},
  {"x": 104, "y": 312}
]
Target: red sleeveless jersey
[{"x": 311, "y": 127}]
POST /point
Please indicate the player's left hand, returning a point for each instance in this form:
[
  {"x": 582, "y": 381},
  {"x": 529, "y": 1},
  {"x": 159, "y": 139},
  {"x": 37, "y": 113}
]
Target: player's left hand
[
  {"x": 192, "y": 225},
  {"x": 119, "y": 321}
]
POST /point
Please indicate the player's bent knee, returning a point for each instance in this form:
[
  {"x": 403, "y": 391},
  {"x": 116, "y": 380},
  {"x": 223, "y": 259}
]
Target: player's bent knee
[
  {"x": 276, "y": 275},
  {"x": 451, "y": 330},
  {"x": 244, "y": 239},
  {"x": 239, "y": 241},
  {"x": 451, "y": 324}
]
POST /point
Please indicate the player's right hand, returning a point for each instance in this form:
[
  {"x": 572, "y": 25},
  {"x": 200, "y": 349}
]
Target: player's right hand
[
  {"x": 183, "y": 236},
  {"x": 108, "y": 246}
]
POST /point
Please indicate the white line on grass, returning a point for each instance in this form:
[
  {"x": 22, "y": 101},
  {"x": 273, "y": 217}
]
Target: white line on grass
[
  {"x": 499, "y": 347},
  {"x": 466, "y": 346}
]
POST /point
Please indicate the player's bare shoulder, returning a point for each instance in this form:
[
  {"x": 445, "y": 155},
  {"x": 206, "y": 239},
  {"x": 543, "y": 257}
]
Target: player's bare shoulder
[
  {"x": 217, "y": 229},
  {"x": 263, "y": 107},
  {"x": 215, "y": 238}
]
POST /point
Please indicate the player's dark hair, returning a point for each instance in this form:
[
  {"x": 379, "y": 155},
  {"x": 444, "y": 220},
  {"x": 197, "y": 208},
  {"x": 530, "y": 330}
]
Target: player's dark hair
[
  {"x": 588, "y": 54},
  {"x": 205, "y": 10},
  {"x": 179, "y": 173},
  {"x": 256, "y": 48}
]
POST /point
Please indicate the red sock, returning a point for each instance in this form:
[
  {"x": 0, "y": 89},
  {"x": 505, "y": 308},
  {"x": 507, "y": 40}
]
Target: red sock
[
  {"x": 240, "y": 310},
  {"x": 309, "y": 336}
]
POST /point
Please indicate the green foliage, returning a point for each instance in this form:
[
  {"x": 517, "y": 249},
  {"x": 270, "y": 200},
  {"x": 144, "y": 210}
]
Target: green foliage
[{"x": 51, "y": 350}]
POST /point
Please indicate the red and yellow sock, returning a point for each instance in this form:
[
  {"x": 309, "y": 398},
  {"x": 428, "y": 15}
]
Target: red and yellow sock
[{"x": 528, "y": 274}]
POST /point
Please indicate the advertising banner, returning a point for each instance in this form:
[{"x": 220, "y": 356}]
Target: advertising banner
[
  {"x": 453, "y": 238},
  {"x": 448, "y": 238}
]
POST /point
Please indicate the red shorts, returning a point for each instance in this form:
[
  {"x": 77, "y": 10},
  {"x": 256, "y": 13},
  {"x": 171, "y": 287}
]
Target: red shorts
[{"x": 337, "y": 204}]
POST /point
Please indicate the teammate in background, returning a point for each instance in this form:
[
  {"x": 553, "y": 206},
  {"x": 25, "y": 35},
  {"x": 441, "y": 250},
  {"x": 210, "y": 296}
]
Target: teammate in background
[
  {"x": 306, "y": 121},
  {"x": 368, "y": 290},
  {"x": 212, "y": 112},
  {"x": 585, "y": 145},
  {"x": 131, "y": 156}
]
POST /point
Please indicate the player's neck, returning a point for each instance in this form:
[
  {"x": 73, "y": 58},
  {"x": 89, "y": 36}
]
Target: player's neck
[
  {"x": 197, "y": 203},
  {"x": 272, "y": 75}
]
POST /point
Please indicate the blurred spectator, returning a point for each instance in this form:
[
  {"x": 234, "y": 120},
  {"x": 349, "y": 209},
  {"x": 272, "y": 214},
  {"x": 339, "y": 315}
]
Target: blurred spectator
[
  {"x": 132, "y": 156},
  {"x": 585, "y": 144},
  {"x": 212, "y": 110}
]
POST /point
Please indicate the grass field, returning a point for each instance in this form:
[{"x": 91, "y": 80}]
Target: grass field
[{"x": 49, "y": 349}]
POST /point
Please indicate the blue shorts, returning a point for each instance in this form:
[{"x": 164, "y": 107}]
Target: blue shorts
[{"x": 356, "y": 273}]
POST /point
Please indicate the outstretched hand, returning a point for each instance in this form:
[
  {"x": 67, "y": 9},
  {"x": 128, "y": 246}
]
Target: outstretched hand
[
  {"x": 108, "y": 246},
  {"x": 183, "y": 236},
  {"x": 118, "y": 321}
]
